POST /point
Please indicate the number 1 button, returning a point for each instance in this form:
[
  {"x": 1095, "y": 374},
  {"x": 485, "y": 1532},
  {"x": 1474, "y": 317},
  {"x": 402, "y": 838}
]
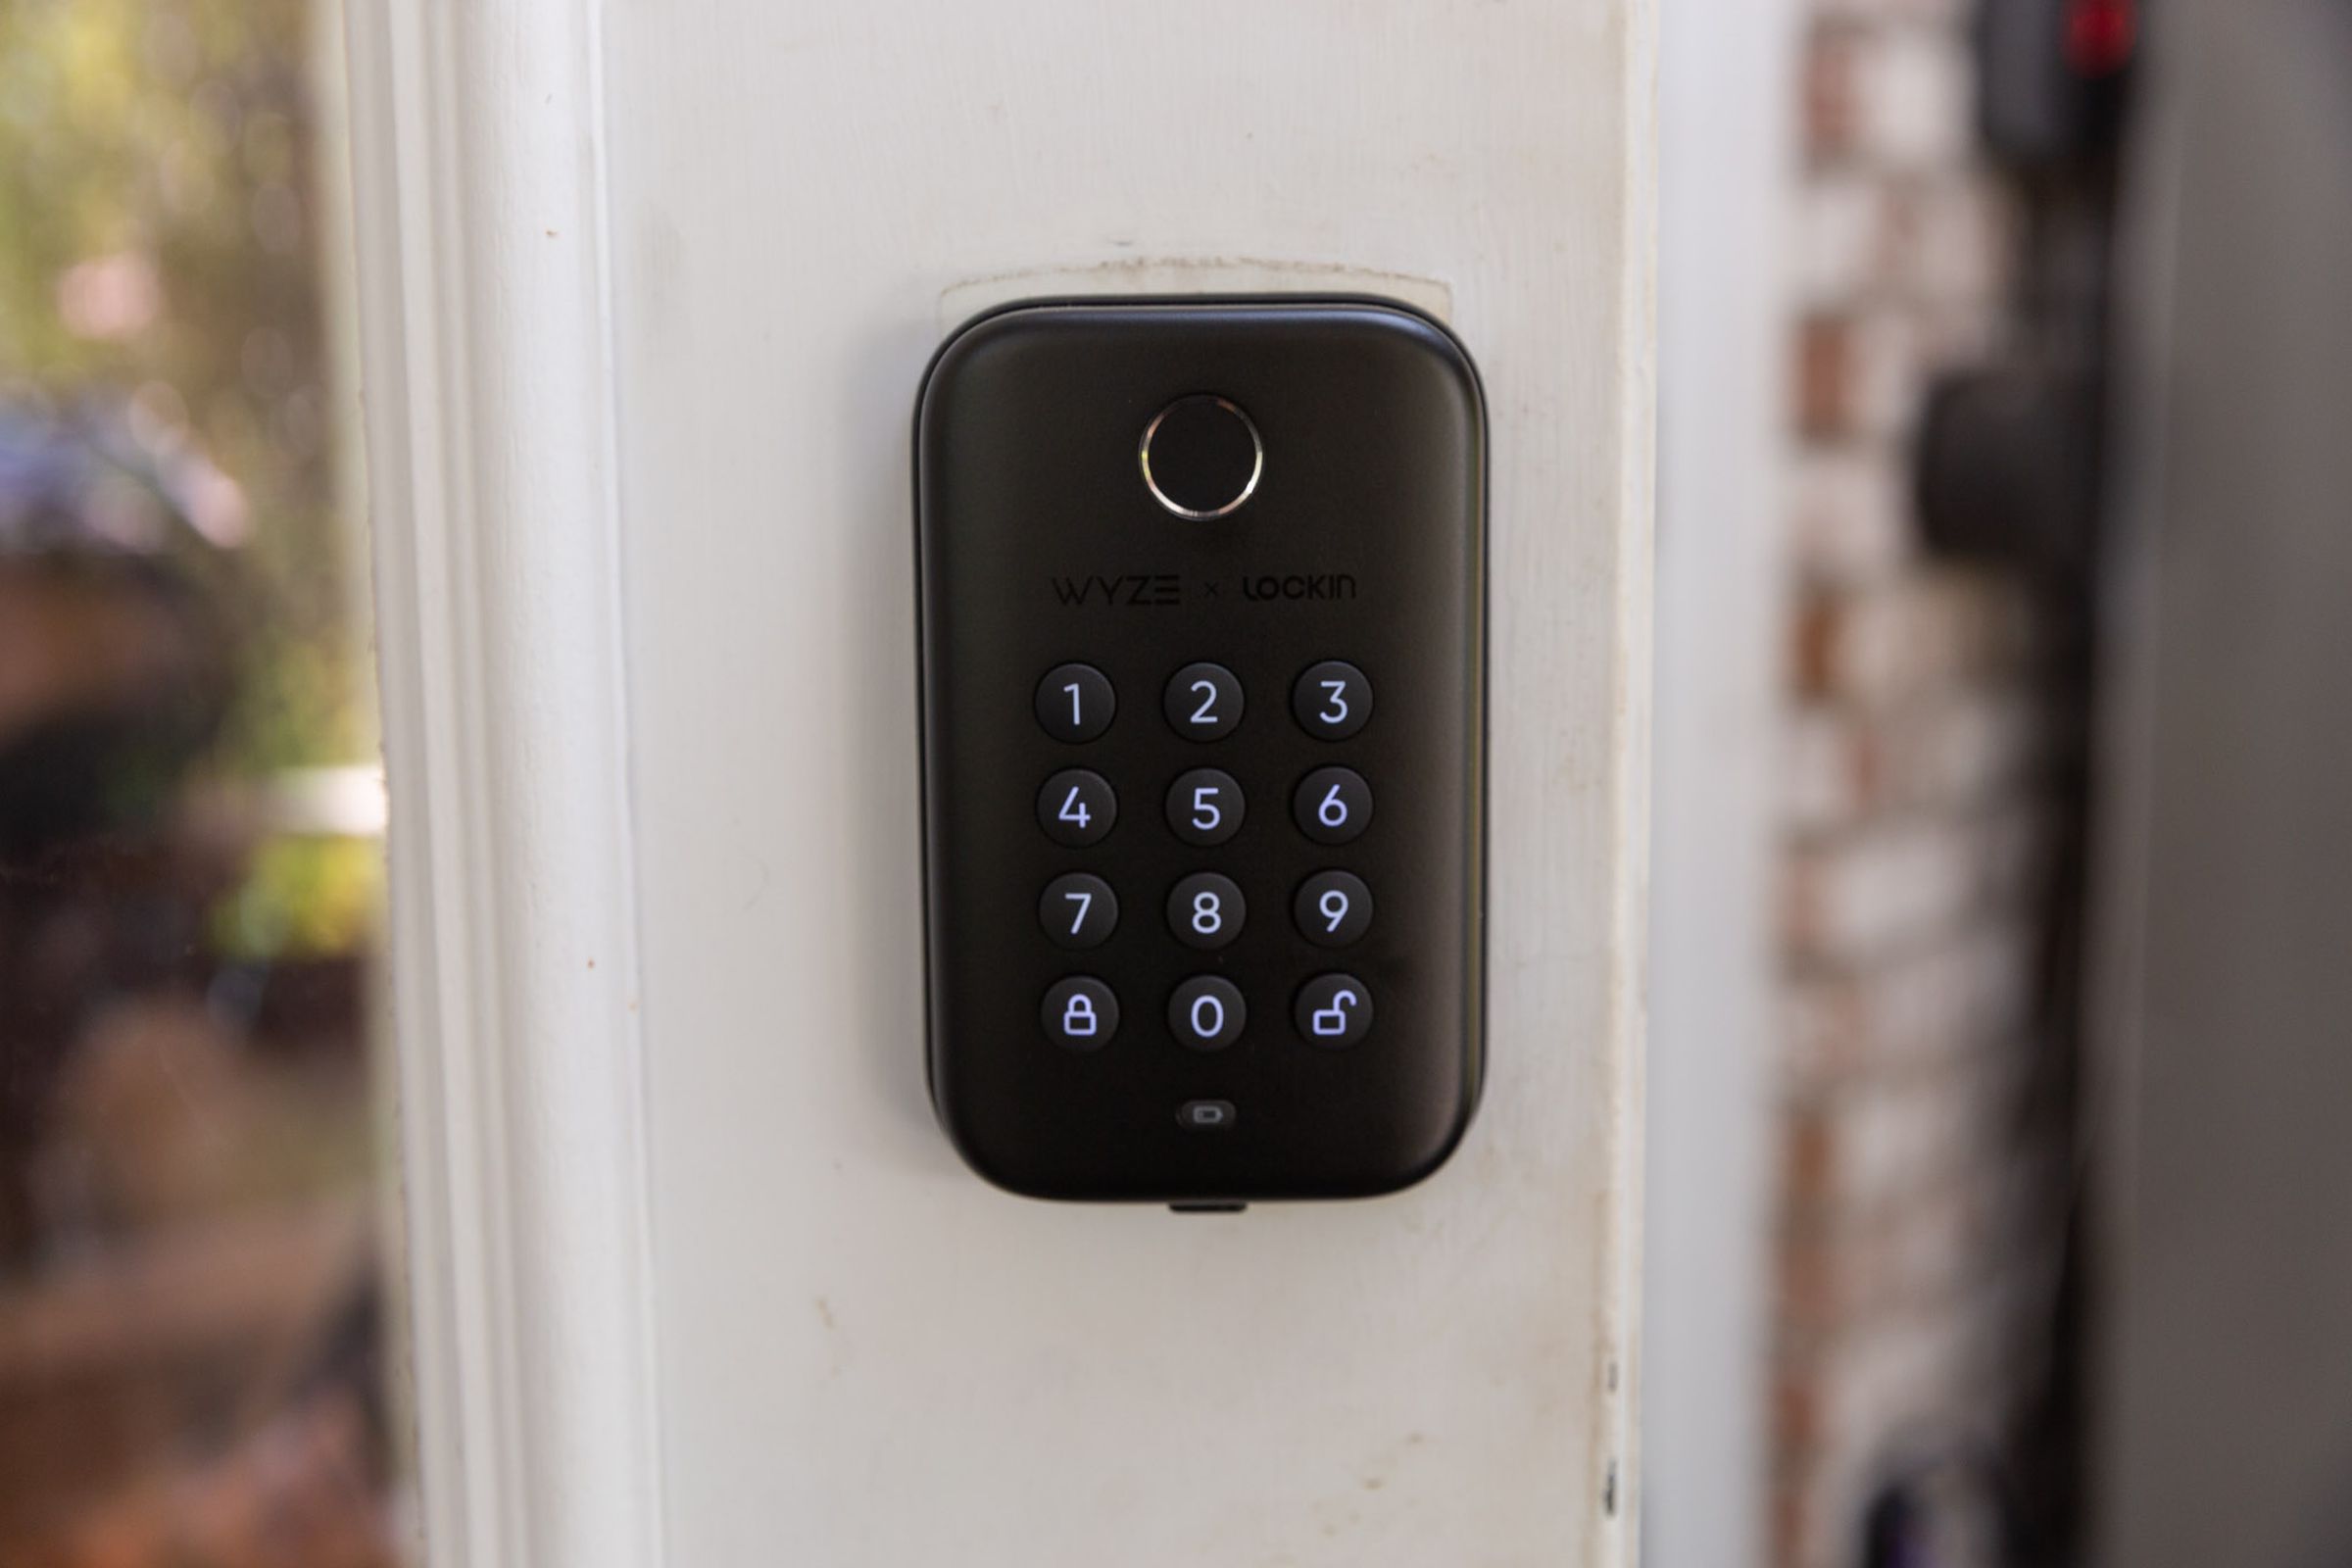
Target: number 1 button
[
  {"x": 1074, "y": 701},
  {"x": 1203, "y": 701}
]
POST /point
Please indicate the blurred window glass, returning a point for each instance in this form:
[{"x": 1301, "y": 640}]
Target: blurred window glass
[{"x": 192, "y": 1215}]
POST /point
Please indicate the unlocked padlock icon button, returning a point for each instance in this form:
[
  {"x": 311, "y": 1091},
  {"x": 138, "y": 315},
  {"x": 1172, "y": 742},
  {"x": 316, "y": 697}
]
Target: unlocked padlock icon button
[
  {"x": 1333, "y": 1020},
  {"x": 1334, "y": 1010},
  {"x": 1078, "y": 1019}
]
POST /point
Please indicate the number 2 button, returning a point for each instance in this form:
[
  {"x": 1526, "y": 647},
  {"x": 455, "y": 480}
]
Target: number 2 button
[
  {"x": 1204, "y": 806},
  {"x": 1203, "y": 701}
]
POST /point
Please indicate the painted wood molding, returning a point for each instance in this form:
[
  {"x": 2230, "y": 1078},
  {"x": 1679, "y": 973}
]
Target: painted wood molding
[{"x": 478, "y": 179}]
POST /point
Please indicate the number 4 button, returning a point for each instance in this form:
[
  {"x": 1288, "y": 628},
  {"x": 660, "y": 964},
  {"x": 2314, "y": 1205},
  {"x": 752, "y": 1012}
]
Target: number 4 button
[{"x": 1077, "y": 806}]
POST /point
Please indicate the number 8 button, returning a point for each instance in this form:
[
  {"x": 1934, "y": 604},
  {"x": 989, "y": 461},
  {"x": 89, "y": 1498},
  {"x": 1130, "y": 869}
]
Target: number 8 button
[{"x": 1206, "y": 911}]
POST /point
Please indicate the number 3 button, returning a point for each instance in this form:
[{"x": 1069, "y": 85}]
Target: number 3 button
[
  {"x": 1204, "y": 806},
  {"x": 1332, "y": 699},
  {"x": 1333, "y": 805}
]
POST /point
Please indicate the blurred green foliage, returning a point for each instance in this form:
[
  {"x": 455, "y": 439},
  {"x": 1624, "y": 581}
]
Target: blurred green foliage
[
  {"x": 160, "y": 249},
  {"x": 300, "y": 898}
]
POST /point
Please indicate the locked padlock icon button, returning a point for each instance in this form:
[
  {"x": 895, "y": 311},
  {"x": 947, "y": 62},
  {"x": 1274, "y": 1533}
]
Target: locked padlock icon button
[
  {"x": 1334, "y": 1010},
  {"x": 1080, "y": 1013}
]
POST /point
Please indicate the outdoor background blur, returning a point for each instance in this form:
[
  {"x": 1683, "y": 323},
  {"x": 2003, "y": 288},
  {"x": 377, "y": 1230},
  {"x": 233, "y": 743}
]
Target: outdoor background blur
[
  {"x": 2047, "y": 1212},
  {"x": 190, "y": 1363}
]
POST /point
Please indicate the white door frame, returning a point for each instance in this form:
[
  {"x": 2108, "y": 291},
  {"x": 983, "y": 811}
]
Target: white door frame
[{"x": 630, "y": 1341}]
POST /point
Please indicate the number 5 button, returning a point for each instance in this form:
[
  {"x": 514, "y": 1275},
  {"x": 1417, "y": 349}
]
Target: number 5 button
[
  {"x": 1332, "y": 699},
  {"x": 1204, "y": 806},
  {"x": 1333, "y": 805}
]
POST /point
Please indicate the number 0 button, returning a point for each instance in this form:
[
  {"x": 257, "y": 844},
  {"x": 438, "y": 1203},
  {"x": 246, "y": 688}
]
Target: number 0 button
[
  {"x": 1333, "y": 908},
  {"x": 1332, "y": 699},
  {"x": 1204, "y": 806},
  {"x": 1077, "y": 806},
  {"x": 1206, "y": 911},
  {"x": 1206, "y": 1013},
  {"x": 1333, "y": 805},
  {"x": 1203, "y": 701},
  {"x": 1078, "y": 911},
  {"x": 1074, "y": 701}
]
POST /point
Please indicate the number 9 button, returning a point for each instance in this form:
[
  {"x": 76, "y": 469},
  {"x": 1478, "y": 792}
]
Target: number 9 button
[{"x": 1333, "y": 908}]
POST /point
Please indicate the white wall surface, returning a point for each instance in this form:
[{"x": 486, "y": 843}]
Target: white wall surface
[
  {"x": 1727, "y": 116},
  {"x": 747, "y": 220}
]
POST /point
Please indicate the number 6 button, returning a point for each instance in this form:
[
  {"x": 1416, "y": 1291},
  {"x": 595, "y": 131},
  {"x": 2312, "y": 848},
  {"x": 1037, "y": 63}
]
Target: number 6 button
[
  {"x": 1333, "y": 805},
  {"x": 1332, "y": 699}
]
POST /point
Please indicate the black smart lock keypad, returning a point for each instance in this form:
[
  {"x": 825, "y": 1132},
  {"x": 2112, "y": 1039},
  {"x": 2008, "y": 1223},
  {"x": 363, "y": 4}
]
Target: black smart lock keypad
[{"x": 1202, "y": 594}]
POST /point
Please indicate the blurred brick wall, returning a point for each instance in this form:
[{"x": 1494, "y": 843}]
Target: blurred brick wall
[{"x": 1916, "y": 815}]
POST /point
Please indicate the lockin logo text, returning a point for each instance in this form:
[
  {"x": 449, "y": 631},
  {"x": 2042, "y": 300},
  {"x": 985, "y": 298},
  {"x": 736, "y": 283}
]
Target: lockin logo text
[
  {"x": 1317, "y": 585},
  {"x": 1160, "y": 588}
]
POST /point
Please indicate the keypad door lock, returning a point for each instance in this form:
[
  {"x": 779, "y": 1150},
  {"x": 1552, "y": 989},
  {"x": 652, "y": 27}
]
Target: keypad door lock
[{"x": 1202, "y": 594}]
